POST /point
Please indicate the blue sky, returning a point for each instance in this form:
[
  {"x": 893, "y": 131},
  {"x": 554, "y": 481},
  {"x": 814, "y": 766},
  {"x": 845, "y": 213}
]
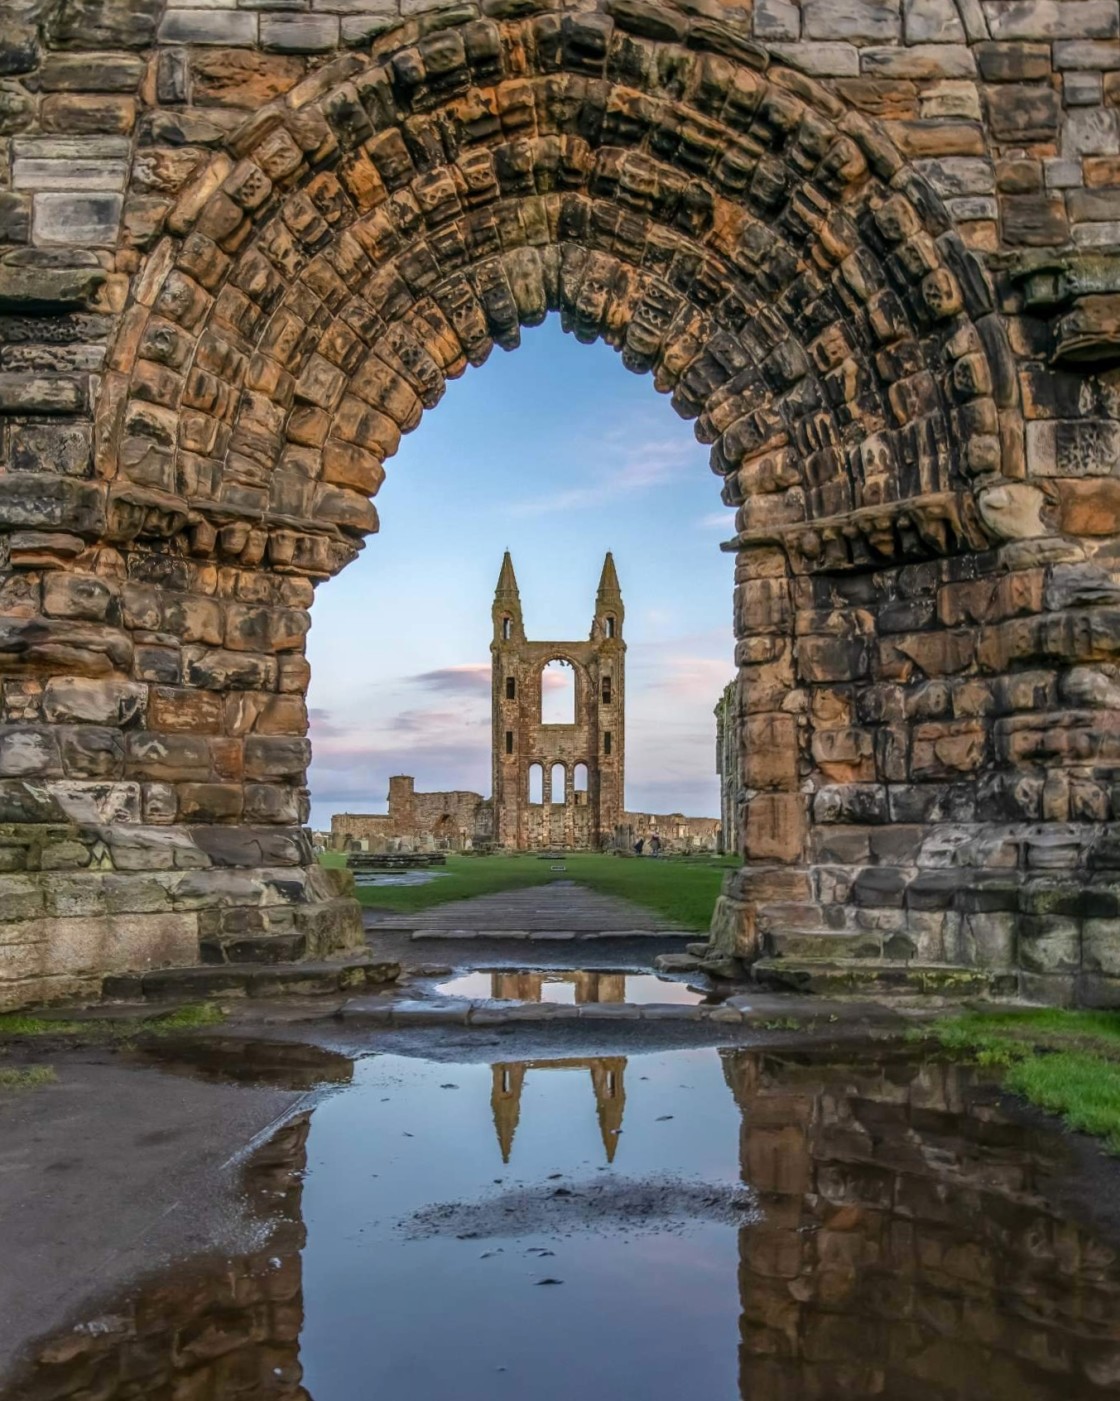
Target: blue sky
[{"x": 558, "y": 454}]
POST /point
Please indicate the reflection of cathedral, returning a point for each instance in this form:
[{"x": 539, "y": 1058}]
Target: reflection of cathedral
[
  {"x": 911, "y": 1246},
  {"x": 606, "y": 1082},
  {"x": 587, "y": 987}
]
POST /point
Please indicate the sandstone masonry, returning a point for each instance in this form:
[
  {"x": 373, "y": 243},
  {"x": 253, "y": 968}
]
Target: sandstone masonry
[{"x": 868, "y": 248}]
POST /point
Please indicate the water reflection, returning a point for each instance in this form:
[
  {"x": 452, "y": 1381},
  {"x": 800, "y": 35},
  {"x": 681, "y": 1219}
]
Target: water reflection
[
  {"x": 911, "y": 1245},
  {"x": 577, "y": 987},
  {"x": 606, "y": 1082},
  {"x": 214, "y": 1330}
]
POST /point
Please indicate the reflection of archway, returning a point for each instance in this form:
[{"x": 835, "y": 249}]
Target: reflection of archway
[
  {"x": 909, "y": 1245},
  {"x": 204, "y": 1327},
  {"x": 733, "y": 228},
  {"x": 606, "y": 1082}
]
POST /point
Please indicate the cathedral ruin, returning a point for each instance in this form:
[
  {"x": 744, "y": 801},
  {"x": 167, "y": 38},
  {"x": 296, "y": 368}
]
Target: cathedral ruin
[
  {"x": 556, "y": 786},
  {"x": 575, "y": 771}
]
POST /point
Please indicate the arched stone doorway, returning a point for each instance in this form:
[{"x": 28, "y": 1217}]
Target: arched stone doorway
[{"x": 914, "y": 600}]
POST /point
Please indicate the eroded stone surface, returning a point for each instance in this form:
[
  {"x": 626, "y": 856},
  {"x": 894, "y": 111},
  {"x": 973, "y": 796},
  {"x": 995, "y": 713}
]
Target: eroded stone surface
[{"x": 302, "y": 224}]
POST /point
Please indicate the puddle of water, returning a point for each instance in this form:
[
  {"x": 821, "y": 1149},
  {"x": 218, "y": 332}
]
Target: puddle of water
[
  {"x": 571, "y": 986},
  {"x": 398, "y": 877},
  {"x": 717, "y": 1224},
  {"x": 291, "y": 1065}
]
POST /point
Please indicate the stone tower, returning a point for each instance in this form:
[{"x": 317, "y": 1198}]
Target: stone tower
[{"x": 582, "y": 763}]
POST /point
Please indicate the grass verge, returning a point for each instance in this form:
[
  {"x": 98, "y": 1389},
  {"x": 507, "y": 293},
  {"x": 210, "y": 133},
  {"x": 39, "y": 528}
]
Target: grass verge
[
  {"x": 1065, "y": 1062},
  {"x": 198, "y": 1014},
  {"x": 27, "y": 1078},
  {"x": 683, "y": 891}
]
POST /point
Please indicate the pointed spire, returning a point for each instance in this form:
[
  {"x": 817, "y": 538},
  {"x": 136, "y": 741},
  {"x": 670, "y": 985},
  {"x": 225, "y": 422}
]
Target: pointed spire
[
  {"x": 609, "y": 589},
  {"x": 609, "y": 611},
  {"x": 507, "y": 581},
  {"x": 610, "y": 1099},
  {"x": 505, "y": 1102},
  {"x": 506, "y": 612}
]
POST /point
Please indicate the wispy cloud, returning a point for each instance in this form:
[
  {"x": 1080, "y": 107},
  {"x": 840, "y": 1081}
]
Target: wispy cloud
[
  {"x": 718, "y": 520},
  {"x": 623, "y": 468},
  {"x": 470, "y": 678},
  {"x": 322, "y": 725}
]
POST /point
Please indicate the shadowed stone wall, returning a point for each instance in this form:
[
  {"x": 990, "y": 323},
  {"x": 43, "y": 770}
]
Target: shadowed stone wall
[{"x": 867, "y": 248}]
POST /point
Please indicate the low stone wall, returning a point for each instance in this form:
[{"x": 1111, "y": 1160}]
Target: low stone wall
[{"x": 80, "y": 902}]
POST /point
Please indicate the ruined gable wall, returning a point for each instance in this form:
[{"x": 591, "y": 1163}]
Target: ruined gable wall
[{"x": 584, "y": 819}]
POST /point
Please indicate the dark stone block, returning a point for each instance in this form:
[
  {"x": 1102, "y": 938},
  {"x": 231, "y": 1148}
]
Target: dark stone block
[
  {"x": 254, "y": 846},
  {"x": 935, "y": 890},
  {"x": 1021, "y": 112},
  {"x": 19, "y": 49},
  {"x": 1013, "y": 63},
  {"x": 879, "y": 886},
  {"x": 105, "y": 24}
]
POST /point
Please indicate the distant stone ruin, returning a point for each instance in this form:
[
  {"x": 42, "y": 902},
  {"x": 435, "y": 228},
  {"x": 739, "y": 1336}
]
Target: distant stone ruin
[{"x": 557, "y": 786}]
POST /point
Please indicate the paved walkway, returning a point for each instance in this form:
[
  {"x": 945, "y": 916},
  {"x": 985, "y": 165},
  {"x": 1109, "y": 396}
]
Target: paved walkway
[{"x": 554, "y": 911}]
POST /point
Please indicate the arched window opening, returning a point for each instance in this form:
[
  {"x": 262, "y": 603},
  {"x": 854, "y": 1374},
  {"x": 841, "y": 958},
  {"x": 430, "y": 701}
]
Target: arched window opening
[
  {"x": 606, "y": 742},
  {"x": 507, "y": 629},
  {"x": 511, "y": 688},
  {"x": 536, "y": 783},
  {"x": 559, "y": 784},
  {"x": 509, "y": 741},
  {"x": 606, "y": 690},
  {"x": 610, "y": 626},
  {"x": 579, "y": 785},
  {"x": 558, "y": 694}
]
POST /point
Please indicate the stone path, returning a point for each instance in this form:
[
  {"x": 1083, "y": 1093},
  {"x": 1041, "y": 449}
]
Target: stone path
[{"x": 554, "y": 911}]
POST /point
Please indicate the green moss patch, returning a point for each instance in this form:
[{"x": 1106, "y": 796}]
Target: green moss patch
[
  {"x": 29, "y": 1077},
  {"x": 125, "y": 1027},
  {"x": 1065, "y": 1062}
]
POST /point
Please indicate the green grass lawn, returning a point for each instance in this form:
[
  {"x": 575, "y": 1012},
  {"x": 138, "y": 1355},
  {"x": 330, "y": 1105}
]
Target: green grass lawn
[
  {"x": 1066, "y": 1062},
  {"x": 681, "y": 890}
]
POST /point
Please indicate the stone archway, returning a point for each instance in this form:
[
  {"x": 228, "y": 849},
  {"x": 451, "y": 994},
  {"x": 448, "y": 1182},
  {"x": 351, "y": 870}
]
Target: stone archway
[{"x": 757, "y": 244}]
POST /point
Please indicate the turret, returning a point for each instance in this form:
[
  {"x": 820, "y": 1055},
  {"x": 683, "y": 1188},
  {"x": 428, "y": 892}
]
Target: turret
[
  {"x": 609, "y": 611},
  {"x": 508, "y": 624}
]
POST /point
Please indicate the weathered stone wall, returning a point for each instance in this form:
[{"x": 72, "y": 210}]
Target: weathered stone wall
[
  {"x": 675, "y": 831},
  {"x": 455, "y": 820},
  {"x": 594, "y": 745},
  {"x": 866, "y": 247}
]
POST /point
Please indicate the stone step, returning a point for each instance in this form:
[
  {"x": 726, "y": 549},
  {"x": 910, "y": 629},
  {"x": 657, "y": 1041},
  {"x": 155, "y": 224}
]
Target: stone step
[
  {"x": 541, "y": 935},
  {"x": 290, "y": 947},
  {"x": 827, "y": 945},
  {"x": 881, "y": 978},
  {"x": 779, "y": 915},
  {"x": 251, "y": 980}
]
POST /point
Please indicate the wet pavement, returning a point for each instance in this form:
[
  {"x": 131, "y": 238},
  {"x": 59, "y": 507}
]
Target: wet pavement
[
  {"x": 545, "y": 1173},
  {"x": 718, "y": 1223}
]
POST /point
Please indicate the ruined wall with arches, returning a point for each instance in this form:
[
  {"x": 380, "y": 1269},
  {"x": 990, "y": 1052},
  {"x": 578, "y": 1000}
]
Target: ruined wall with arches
[
  {"x": 866, "y": 248},
  {"x": 558, "y": 786}
]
